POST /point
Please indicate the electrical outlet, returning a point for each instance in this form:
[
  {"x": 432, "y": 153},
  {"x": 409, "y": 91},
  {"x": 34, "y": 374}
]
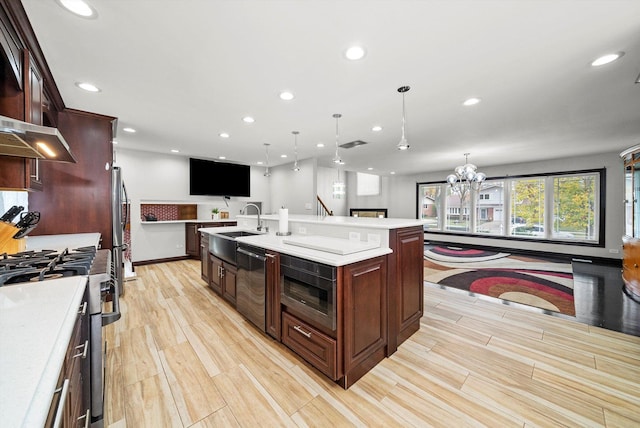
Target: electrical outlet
[
  {"x": 373, "y": 237},
  {"x": 302, "y": 230},
  {"x": 307, "y": 206},
  {"x": 354, "y": 236},
  {"x": 614, "y": 251},
  {"x": 179, "y": 246}
]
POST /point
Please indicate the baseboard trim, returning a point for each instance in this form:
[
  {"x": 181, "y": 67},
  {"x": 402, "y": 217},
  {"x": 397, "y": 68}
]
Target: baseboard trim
[{"x": 154, "y": 261}]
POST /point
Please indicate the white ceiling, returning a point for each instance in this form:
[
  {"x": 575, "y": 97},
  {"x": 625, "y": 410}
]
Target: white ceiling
[{"x": 182, "y": 71}]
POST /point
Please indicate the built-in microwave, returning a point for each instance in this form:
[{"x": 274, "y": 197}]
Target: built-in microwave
[{"x": 309, "y": 288}]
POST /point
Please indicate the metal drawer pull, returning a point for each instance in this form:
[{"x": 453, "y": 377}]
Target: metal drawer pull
[
  {"x": 83, "y": 309},
  {"x": 86, "y": 417},
  {"x": 83, "y": 354},
  {"x": 301, "y": 331},
  {"x": 64, "y": 391}
]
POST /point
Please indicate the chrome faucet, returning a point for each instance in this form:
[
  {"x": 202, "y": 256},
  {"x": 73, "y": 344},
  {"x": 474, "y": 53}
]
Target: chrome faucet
[{"x": 244, "y": 210}]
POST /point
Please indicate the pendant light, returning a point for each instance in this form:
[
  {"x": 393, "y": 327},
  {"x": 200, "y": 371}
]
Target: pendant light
[
  {"x": 296, "y": 168},
  {"x": 266, "y": 149},
  {"x": 403, "y": 144},
  {"x": 466, "y": 177},
  {"x": 336, "y": 158}
]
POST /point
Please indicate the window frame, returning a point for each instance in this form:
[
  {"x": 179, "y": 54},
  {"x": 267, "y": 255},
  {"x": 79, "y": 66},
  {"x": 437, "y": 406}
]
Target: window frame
[{"x": 549, "y": 207}]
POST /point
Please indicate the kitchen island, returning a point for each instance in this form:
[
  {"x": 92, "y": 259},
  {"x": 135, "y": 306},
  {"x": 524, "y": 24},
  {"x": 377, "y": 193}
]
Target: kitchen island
[{"x": 379, "y": 287}]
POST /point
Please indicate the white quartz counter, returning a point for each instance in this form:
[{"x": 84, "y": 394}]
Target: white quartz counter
[
  {"x": 271, "y": 241},
  {"x": 344, "y": 221},
  {"x": 222, "y": 220},
  {"x": 62, "y": 241},
  {"x": 36, "y": 323}
]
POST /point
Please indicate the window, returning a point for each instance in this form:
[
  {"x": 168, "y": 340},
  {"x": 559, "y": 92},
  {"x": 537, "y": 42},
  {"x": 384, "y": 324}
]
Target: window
[
  {"x": 367, "y": 184},
  {"x": 563, "y": 207}
]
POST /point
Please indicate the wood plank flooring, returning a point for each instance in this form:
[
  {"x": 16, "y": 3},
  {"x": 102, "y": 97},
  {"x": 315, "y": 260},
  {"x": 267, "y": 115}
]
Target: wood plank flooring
[{"x": 182, "y": 357}]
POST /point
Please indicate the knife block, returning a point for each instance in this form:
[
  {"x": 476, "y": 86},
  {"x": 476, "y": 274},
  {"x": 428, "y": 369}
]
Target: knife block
[{"x": 7, "y": 243}]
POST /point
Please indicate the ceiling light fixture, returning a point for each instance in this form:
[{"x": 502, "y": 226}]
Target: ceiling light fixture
[
  {"x": 377, "y": 128},
  {"x": 266, "y": 171},
  {"x": 296, "y": 168},
  {"x": 248, "y": 119},
  {"x": 354, "y": 53},
  {"x": 336, "y": 158},
  {"x": 638, "y": 79},
  {"x": 79, "y": 7},
  {"x": 222, "y": 157},
  {"x": 89, "y": 87},
  {"x": 283, "y": 156},
  {"x": 175, "y": 151},
  {"x": 129, "y": 130},
  {"x": 403, "y": 144},
  {"x": 286, "y": 96},
  {"x": 223, "y": 135},
  {"x": 465, "y": 178},
  {"x": 320, "y": 145},
  {"x": 606, "y": 59},
  {"x": 471, "y": 101}
]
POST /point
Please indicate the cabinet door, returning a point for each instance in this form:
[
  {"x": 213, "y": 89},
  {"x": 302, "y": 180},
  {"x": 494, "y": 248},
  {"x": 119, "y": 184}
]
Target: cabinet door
[
  {"x": 405, "y": 284},
  {"x": 204, "y": 257},
  {"x": 272, "y": 309},
  {"x": 191, "y": 240},
  {"x": 229, "y": 273},
  {"x": 215, "y": 273},
  {"x": 365, "y": 310}
]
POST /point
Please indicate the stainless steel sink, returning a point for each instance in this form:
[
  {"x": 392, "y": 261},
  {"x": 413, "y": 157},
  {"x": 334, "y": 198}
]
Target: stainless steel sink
[{"x": 223, "y": 245}]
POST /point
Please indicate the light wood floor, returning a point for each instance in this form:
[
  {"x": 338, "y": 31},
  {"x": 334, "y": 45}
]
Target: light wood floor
[{"x": 182, "y": 357}]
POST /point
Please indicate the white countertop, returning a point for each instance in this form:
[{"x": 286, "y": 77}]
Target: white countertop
[
  {"x": 368, "y": 222},
  {"x": 222, "y": 220},
  {"x": 271, "y": 241},
  {"x": 36, "y": 323},
  {"x": 62, "y": 241}
]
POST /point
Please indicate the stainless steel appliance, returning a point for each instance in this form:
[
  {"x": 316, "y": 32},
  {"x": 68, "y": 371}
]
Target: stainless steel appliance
[
  {"x": 96, "y": 264},
  {"x": 120, "y": 214},
  {"x": 251, "y": 284},
  {"x": 309, "y": 288}
]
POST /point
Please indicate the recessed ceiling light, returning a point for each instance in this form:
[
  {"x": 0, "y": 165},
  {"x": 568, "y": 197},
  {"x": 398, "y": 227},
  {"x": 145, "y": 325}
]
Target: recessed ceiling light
[
  {"x": 130, "y": 130},
  {"x": 286, "y": 95},
  {"x": 89, "y": 87},
  {"x": 606, "y": 59},
  {"x": 175, "y": 151},
  {"x": 320, "y": 145},
  {"x": 355, "y": 53},
  {"x": 370, "y": 169},
  {"x": 259, "y": 162},
  {"x": 392, "y": 172},
  {"x": 377, "y": 128},
  {"x": 471, "y": 101},
  {"x": 222, "y": 157},
  {"x": 79, "y": 7},
  {"x": 248, "y": 119},
  {"x": 283, "y": 156},
  {"x": 223, "y": 135}
]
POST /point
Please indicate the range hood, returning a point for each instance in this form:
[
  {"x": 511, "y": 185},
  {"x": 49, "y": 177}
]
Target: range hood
[{"x": 27, "y": 140}]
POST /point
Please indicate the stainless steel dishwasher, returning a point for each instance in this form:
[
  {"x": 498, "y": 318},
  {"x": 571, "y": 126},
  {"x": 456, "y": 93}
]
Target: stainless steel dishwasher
[{"x": 251, "y": 284}]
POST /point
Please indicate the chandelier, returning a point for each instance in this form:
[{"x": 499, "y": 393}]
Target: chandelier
[
  {"x": 466, "y": 177},
  {"x": 296, "y": 168},
  {"x": 403, "y": 144}
]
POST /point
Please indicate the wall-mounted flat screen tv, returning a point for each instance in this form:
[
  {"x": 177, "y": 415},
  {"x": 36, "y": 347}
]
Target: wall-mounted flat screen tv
[{"x": 218, "y": 178}]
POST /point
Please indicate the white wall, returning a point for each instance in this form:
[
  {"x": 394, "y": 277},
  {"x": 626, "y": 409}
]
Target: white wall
[
  {"x": 293, "y": 190},
  {"x": 160, "y": 178},
  {"x": 326, "y": 177}
]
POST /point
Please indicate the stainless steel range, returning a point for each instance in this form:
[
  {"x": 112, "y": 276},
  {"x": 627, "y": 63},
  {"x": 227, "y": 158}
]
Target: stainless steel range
[{"x": 98, "y": 267}]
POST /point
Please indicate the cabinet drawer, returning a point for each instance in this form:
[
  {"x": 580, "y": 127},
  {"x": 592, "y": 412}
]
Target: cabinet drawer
[{"x": 312, "y": 345}]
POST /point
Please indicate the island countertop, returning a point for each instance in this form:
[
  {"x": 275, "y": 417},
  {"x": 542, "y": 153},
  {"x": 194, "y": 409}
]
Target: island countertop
[{"x": 343, "y": 221}]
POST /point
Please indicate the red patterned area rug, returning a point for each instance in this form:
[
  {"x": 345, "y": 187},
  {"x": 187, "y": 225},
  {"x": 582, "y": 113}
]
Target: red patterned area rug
[{"x": 531, "y": 281}]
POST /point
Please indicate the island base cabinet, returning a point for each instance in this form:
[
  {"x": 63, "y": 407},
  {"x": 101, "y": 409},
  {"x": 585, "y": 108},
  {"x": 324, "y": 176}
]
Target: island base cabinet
[
  {"x": 314, "y": 346},
  {"x": 222, "y": 278}
]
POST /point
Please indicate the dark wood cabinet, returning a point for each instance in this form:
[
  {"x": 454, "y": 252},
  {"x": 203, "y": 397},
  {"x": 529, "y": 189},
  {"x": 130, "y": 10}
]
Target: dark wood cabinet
[
  {"x": 272, "y": 309},
  {"x": 73, "y": 407},
  {"x": 204, "y": 254},
  {"x": 222, "y": 278},
  {"x": 193, "y": 238},
  {"x": 364, "y": 305},
  {"x": 405, "y": 281}
]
